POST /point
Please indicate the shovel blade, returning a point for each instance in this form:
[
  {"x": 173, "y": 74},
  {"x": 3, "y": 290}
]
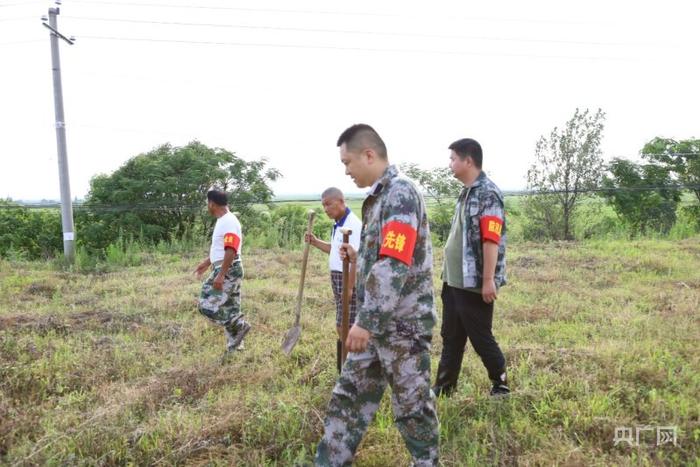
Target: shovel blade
[{"x": 290, "y": 339}]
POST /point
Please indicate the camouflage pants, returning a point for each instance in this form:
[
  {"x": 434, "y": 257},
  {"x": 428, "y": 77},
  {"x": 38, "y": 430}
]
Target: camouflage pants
[
  {"x": 404, "y": 364},
  {"x": 223, "y": 306}
]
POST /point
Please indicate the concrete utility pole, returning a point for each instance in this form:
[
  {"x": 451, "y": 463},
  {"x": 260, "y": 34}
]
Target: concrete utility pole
[{"x": 66, "y": 203}]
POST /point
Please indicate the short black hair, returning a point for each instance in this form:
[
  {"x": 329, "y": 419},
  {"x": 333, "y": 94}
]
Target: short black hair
[
  {"x": 217, "y": 197},
  {"x": 361, "y": 136},
  {"x": 468, "y": 147}
]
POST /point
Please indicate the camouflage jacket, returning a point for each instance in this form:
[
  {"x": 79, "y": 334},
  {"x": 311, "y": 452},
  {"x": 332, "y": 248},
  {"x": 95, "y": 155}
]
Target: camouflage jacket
[
  {"x": 483, "y": 198},
  {"x": 395, "y": 260}
]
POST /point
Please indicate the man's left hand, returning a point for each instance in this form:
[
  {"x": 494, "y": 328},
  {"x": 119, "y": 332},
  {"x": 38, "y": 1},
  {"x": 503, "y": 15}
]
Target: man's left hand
[
  {"x": 357, "y": 339},
  {"x": 489, "y": 292},
  {"x": 219, "y": 282}
]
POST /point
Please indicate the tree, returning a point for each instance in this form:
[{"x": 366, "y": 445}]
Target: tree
[
  {"x": 160, "y": 195},
  {"x": 682, "y": 159},
  {"x": 567, "y": 164},
  {"x": 643, "y": 210},
  {"x": 440, "y": 185},
  {"x": 679, "y": 157}
]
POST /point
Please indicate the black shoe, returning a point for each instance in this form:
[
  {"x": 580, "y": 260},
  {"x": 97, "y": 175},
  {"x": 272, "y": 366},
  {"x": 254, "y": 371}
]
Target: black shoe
[
  {"x": 499, "y": 390},
  {"x": 445, "y": 381},
  {"x": 445, "y": 391}
]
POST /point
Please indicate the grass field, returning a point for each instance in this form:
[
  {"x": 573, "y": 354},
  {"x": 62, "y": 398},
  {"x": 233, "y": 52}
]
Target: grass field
[{"x": 118, "y": 368}]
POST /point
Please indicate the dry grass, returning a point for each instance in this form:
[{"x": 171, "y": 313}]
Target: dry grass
[{"x": 118, "y": 368}]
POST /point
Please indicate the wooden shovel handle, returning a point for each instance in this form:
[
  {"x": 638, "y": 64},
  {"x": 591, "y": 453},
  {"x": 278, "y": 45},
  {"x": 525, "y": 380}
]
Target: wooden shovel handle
[
  {"x": 300, "y": 294},
  {"x": 345, "y": 321}
]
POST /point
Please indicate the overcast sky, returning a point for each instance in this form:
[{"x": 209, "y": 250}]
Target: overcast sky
[{"x": 281, "y": 80}]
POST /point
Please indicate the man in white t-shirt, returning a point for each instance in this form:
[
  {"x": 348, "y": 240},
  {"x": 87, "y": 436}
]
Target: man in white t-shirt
[
  {"x": 220, "y": 299},
  {"x": 334, "y": 204}
]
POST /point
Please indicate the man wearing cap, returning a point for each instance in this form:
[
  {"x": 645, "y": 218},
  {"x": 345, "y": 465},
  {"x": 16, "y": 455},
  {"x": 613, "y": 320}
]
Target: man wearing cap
[
  {"x": 334, "y": 205},
  {"x": 220, "y": 299}
]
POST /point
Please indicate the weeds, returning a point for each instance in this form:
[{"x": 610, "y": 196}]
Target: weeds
[{"x": 110, "y": 364}]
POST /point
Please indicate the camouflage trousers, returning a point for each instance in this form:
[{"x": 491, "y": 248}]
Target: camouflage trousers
[
  {"x": 223, "y": 307},
  {"x": 404, "y": 364}
]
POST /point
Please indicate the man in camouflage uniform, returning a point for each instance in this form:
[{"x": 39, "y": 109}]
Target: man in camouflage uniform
[
  {"x": 474, "y": 269},
  {"x": 220, "y": 299},
  {"x": 390, "y": 340}
]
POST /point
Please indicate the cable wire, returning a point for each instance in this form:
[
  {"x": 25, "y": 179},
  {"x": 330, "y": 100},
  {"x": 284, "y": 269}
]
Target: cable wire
[
  {"x": 356, "y": 49},
  {"x": 166, "y": 206},
  {"x": 351, "y": 31},
  {"x": 28, "y": 41},
  {"x": 327, "y": 12}
]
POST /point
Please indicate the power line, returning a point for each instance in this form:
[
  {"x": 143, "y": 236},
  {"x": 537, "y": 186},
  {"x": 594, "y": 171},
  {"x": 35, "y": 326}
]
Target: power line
[
  {"x": 330, "y": 12},
  {"x": 19, "y": 18},
  {"x": 636, "y": 157},
  {"x": 671, "y": 154},
  {"x": 351, "y": 31},
  {"x": 230, "y": 8},
  {"x": 29, "y": 41},
  {"x": 678, "y": 187},
  {"x": 167, "y": 206},
  {"x": 2, "y": 5},
  {"x": 356, "y": 49}
]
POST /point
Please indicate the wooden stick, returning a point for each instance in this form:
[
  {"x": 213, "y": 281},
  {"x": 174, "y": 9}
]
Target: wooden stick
[{"x": 345, "y": 322}]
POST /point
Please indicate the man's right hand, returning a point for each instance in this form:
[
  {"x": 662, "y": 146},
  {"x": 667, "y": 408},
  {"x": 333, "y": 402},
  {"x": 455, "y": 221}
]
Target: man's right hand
[
  {"x": 357, "y": 340},
  {"x": 347, "y": 251},
  {"x": 489, "y": 292},
  {"x": 201, "y": 268}
]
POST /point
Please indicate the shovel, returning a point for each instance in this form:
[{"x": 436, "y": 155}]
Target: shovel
[{"x": 292, "y": 336}]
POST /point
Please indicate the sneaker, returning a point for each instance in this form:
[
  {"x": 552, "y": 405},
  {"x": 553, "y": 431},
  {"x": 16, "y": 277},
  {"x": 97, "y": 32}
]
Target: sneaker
[
  {"x": 499, "y": 390},
  {"x": 229, "y": 340},
  {"x": 241, "y": 346},
  {"x": 235, "y": 340}
]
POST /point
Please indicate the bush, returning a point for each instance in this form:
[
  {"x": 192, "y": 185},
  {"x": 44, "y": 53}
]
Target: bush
[
  {"x": 644, "y": 211},
  {"x": 283, "y": 226},
  {"x": 32, "y": 233},
  {"x": 543, "y": 218},
  {"x": 124, "y": 253},
  {"x": 687, "y": 223},
  {"x": 595, "y": 219},
  {"x": 514, "y": 219},
  {"x": 440, "y": 218},
  {"x": 692, "y": 213}
]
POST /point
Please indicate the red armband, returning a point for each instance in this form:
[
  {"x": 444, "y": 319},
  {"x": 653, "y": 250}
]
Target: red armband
[
  {"x": 491, "y": 227},
  {"x": 398, "y": 241},
  {"x": 231, "y": 240}
]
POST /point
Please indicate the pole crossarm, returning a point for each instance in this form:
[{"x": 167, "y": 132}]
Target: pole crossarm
[{"x": 58, "y": 34}]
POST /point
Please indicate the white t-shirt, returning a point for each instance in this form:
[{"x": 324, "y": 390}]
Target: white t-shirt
[
  {"x": 227, "y": 232},
  {"x": 352, "y": 223}
]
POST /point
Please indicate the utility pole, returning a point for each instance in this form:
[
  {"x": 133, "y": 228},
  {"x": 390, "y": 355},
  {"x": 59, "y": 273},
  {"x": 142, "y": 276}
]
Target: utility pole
[{"x": 63, "y": 175}]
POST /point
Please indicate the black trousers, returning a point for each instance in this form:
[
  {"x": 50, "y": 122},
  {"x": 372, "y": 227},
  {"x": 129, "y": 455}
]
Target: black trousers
[{"x": 465, "y": 316}]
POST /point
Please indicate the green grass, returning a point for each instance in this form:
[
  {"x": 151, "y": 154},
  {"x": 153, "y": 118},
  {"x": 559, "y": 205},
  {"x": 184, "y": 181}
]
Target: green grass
[{"x": 116, "y": 367}]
